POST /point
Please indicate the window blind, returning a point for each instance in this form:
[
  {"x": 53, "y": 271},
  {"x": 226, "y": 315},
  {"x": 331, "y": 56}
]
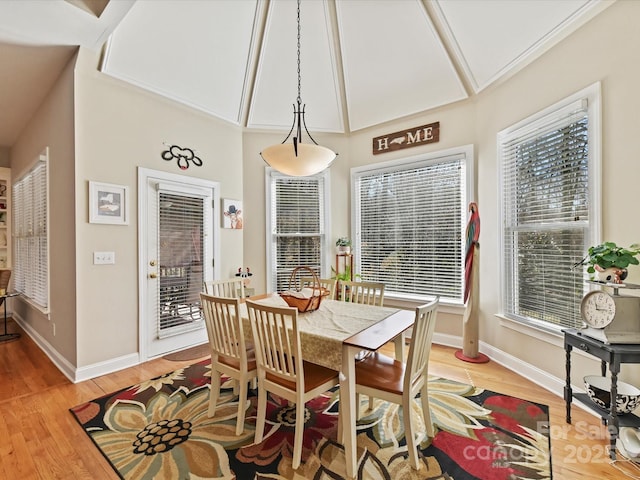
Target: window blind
[
  {"x": 181, "y": 247},
  {"x": 30, "y": 234},
  {"x": 546, "y": 199},
  {"x": 410, "y": 226},
  {"x": 297, "y": 226}
]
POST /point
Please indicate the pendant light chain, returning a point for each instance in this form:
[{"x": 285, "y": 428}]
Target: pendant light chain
[
  {"x": 304, "y": 159},
  {"x": 299, "y": 81}
]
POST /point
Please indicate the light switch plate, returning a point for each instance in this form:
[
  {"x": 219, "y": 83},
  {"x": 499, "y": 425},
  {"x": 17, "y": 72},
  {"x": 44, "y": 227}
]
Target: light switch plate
[{"x": 104, "y": 258}]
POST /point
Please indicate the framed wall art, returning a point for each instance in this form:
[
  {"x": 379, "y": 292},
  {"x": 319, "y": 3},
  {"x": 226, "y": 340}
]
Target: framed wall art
[
  {"x": 232, "y": 214},
  {"x": 108, "y": 203}
]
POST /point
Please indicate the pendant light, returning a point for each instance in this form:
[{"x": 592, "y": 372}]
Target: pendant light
[{"x": 298, "y": 159}]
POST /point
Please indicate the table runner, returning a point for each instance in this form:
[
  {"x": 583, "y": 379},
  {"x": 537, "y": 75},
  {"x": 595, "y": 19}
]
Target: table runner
[{"x": 323, "y": 331}]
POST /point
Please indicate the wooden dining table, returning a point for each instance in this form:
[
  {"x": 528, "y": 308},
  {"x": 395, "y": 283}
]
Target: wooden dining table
[{"x": 333, "y": 336}]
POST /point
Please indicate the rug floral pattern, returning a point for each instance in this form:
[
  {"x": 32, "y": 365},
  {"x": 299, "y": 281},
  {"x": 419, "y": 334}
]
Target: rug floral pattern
[{"x": 159, "y": 429}]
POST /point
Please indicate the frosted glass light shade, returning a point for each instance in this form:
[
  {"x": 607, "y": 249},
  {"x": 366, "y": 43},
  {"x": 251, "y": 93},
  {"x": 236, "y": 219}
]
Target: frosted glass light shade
[{"x": 311, "y": 158}]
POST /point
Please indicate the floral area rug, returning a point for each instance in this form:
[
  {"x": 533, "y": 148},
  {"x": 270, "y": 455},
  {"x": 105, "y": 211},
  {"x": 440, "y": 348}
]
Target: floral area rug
[{"x": 159, "y": 429}]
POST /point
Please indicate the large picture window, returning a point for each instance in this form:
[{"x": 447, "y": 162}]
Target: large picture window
[
  {"x": 409, "y": 222},
  {"x": 297, "y": 226},
  {"x": 31, "y": 253},
  {"x": 550, "y": 191}
]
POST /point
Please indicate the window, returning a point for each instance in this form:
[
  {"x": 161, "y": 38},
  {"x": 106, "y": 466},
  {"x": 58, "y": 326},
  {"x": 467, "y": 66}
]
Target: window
[
  {"x": 550, "y": 187},
  {"x": 182, "y": 221},
  {"x": 410, "y": 219},
  {"x": 31, "y": 254},
  {"x": 296, "y": 226}
]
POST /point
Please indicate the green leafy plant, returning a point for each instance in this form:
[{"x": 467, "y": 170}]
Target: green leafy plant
[
  {"x": 343, "y": 242},
  {"x": 343, "y": 276},
  {"x": 608, "y": 255}
]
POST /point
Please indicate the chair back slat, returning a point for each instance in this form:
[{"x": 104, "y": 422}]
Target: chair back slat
[
  {"x": 367, "y": 293},
  {"x": 421, "y": 339},
  {"x": 277, "y": 341},
  {"x": 230, "y": 288},
  {"x": 224, "y": 328}
]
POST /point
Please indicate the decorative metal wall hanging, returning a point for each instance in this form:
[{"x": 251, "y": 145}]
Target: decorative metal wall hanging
[{"x": 182, "y": 155}]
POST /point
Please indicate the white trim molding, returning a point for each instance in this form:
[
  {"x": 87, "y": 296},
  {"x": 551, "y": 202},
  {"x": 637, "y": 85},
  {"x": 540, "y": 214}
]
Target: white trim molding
[{"x": 70, "y": 371}]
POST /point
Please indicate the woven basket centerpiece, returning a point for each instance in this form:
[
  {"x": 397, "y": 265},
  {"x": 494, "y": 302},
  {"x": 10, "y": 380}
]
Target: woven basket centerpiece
[{"x": 305, "y": 299}]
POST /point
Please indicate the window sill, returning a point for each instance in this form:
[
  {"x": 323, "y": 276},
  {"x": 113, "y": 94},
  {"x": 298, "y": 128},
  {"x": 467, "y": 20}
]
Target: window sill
[
  {"x": 547, "y": 335},
  {"x": 411, "y": 303},
  {"x": 34, "y": 305}
]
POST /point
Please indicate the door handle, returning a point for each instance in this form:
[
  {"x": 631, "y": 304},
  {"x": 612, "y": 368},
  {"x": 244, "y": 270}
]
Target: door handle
[{"x": 153, "y": 275}]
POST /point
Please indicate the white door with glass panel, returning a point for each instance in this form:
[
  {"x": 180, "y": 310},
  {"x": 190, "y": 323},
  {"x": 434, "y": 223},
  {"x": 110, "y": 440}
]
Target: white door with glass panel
[{"x": 177, "y": 253}]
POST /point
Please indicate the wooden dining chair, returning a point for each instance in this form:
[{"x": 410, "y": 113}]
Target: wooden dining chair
[
  {"x": 230, "y": 288},
  {"x": 328, "y": 283},
  {"x": 230, "y": 354},
  {"x": 392, "y": 380},
  {"x": 281, "y": 369},
  {"x": 368, "y": 293}
]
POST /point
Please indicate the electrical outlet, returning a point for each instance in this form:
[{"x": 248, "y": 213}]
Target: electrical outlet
[{"x": 104, "y": 258}]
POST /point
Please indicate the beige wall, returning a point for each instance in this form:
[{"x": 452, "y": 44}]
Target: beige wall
[
  {"x": 118, "y": 129},
  {"x": 52, "y": 126},
  {"x": 4, "y": 157},
  {"x": 602, "y": 50}
]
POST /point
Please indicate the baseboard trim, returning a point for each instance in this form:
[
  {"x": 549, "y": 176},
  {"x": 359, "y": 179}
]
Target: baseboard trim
[
  {"x": 530, "y": 372},
  {"x": 58, "y": 360},
  {"x": 447, "y": 340},
  {"x": 553, "y": 384},
  {"x": 70, "y": 371},
  {"x": 540, "y": 377},
  {"x": 108, "y": 366}
]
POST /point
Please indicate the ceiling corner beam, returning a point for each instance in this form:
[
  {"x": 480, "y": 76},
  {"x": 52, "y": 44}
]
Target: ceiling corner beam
[
  {"x": 433, "y": 12},
  {"x": 337, "y": 48},
  {"x": 253, "y": 59}
]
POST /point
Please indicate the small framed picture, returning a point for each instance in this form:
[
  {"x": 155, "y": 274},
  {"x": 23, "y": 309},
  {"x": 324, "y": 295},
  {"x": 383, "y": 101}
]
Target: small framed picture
[
  {"x": 232, "y": 214},
  {"x": 108, "y": 203}
]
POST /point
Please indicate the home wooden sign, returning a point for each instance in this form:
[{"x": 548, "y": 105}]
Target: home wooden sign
[{"x": 412, "y": 137}]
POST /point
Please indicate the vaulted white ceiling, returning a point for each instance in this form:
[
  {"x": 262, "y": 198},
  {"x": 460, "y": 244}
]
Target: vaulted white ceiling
[{"x": 363, "y": 62}]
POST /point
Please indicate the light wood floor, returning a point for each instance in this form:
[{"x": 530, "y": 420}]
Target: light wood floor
[{"x": 40, "y": 439}]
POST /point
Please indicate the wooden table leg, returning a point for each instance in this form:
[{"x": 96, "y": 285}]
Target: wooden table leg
[
  {"x": 399, "y": 341},
  {"x": 348, "y": 412}
]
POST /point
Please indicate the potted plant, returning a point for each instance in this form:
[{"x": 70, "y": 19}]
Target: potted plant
[
  {"x": 344, "y": 276},
  {"x": 344, "y": 245},
  {"x": 608, "y": 262}
]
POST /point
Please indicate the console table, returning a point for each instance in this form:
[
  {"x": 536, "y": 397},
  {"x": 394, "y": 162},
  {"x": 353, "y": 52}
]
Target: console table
[{"x": 614, "y": 355}]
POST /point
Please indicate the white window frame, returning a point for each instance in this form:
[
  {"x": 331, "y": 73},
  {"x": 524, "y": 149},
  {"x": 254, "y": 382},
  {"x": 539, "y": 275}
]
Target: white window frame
[
  {"x": 464, "y": 153},
  {"x": 270, "y": 176},
  {"x": 22, "y": 273},
  {"x": 591, "y": 98}
]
